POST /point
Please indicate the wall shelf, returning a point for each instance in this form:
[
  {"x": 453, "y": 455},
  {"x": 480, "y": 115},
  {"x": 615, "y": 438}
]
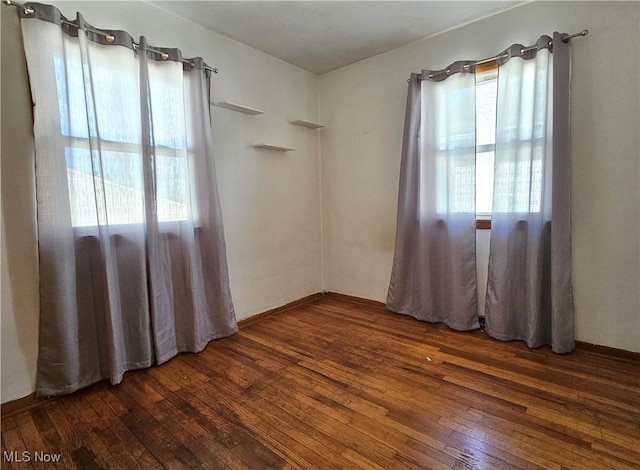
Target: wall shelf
[
  {"x": 273, "y": 147},
  {"x": 238, "y": 107},
  {"x": 308, "y": 124}
]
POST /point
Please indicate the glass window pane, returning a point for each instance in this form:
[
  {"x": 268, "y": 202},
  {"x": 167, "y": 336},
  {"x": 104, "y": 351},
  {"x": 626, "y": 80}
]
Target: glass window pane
[
  {"x": 486, "y": 112},
  {"x": 107, "y": 185},
  {"x": 112, "y": 103},
  {"x": 486, "y": 94},
  {"x": 110, "y": 189},
  {"x": 484, "y": 182},
  {"x": 172, "y": 188}
]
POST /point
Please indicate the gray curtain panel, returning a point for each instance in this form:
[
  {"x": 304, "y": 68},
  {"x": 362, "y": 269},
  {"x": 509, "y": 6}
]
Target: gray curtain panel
[
  {"x": 133, "y": 266},
  {"x": 434, "y": 268},
  {"x": 529, "y": 291}
]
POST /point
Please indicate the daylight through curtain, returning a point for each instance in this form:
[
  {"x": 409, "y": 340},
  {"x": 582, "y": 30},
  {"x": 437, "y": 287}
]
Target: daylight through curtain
[
  {"x": 132, "y": 254},
  {"x": 434, "y": 268},
  {"x": 529, "y": 290}
]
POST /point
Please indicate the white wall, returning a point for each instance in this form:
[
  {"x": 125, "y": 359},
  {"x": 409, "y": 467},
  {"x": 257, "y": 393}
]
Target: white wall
[
  {"x": 270, "y": 200},
  {"x": 363, "y": 107}
]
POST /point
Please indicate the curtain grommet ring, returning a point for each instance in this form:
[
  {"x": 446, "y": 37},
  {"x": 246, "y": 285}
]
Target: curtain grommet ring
[
  {"x": 164, "y": 56},
  {"x": 522, "y": 52},
  {"x": 109, "y": 39},
  {"x": 29, "y": 11},
  {"x": 448, "y": 71},
  {"x": 192, "y": 64},
  {"x": 430, "y": 76}
]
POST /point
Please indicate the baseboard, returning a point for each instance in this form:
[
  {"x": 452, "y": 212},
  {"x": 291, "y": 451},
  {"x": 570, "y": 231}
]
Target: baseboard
[
  {"x": 581, "y": 345},
  {"x": 354, "y": 300},
  {"x": 278, "y": 310},
  {"x": 608, "y": 351},
  {"x": 14, "y": 407}
]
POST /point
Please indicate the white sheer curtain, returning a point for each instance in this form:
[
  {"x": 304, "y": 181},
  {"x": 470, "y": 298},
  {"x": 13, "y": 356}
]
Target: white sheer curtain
[
  {"x": 434, "y": 269},
  {"x": 132, "y": 254},
  {"x": 529, "y": 291}
]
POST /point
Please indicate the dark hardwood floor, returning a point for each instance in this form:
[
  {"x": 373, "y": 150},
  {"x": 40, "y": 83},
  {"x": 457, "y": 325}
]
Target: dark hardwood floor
[{"x": 334, "y": 384}]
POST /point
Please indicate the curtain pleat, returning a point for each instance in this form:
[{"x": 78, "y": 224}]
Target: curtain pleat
[
  {"x": 434, "y": 269},
  {"x": 133, "y": 263},
  {"x": 399, "y": 297},
  {"x": 529, "y": 290},
  {"x": 562, "y": 305}
]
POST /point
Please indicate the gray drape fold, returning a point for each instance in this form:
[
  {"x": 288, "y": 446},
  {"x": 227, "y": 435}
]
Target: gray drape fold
[
  {"x": 434, "y": 272},
  {"x": 132, "y": 253},
  {"x": 433, "y": 278},
  {"x": 529, "y": 291}
]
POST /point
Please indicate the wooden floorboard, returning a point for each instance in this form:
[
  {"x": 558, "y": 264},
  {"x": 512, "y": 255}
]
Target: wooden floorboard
[{"x": 337, "y": 384}]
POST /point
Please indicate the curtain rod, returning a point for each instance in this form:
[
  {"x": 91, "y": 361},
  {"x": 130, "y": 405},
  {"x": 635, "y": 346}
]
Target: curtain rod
[
  {"x": 565, "y": 38},
  {"x": 108, "y": 37}
]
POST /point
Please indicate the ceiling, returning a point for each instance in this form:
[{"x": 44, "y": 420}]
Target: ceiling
[{"x": 320, "y": 36}]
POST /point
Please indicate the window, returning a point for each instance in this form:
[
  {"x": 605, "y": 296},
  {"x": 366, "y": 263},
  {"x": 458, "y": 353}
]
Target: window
[
  {"x": 116, "y": 174},
  {"x": 515, "y": 180},
  {"x": 486, "y": 94},
  {"x": 486, "y": 153}
]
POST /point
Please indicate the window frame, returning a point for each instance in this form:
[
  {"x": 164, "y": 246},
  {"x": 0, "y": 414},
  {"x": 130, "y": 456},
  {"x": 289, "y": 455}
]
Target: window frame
[
  {"x": 488, "y": 69},
  {"x": 84, "y": 143}
]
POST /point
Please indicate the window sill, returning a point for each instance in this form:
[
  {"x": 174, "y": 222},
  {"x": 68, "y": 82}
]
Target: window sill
[{"x": 483, "y": 224}]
